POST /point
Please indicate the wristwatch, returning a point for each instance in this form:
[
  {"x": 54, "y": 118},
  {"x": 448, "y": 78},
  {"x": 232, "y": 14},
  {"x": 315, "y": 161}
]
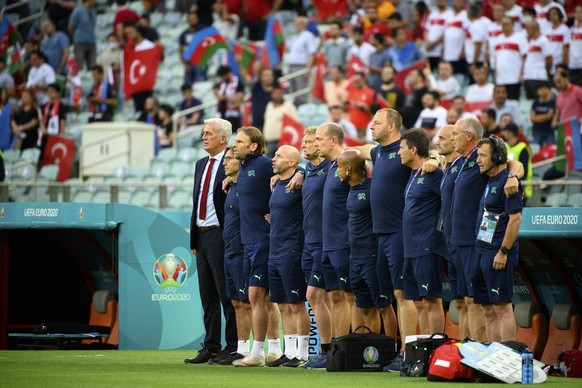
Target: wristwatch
[
  {"x": 512, "y": 175},
  {"x": 504, "y": 250}
]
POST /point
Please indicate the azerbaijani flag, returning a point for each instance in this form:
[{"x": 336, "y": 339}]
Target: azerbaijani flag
[
  {"x": 569, "y": 144},
  {"x": 247, "y": 52},
  {"x": 8, "y": 35},
  {"x": 274, "y": 43},
  {"x": 203, "y": 46},
  {"x": 16, "y": 62}
]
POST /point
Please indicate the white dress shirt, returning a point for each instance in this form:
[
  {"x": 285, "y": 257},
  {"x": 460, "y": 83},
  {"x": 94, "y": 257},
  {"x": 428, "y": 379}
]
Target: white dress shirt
[{"x": 211, "y": 217}]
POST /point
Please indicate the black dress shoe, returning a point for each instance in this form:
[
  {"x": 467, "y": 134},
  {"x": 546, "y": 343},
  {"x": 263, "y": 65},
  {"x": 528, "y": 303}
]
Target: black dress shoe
[
  {"x": 221, "y": 356},
  {"x": 202, "y": 357},
  {"x": 230, "y": 359},
  {"x": 283, "y": 359}
]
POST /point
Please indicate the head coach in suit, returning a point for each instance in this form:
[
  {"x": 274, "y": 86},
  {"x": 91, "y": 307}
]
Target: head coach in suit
[{"x": 207, "y": 244}]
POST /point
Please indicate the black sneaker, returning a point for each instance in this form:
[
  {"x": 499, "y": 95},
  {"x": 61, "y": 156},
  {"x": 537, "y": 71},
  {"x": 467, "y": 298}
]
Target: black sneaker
[
  {"x": 283, "y": 359},
  {"x": 230, "y": 359},
  {"x": 294, "y": 363},
  {"x": 221, "y": 356},
  {"x": 202, "y": 357}
]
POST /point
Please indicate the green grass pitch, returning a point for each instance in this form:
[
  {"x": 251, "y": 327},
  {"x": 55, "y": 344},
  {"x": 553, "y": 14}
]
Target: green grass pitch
[{"x": 165, "y": 368}]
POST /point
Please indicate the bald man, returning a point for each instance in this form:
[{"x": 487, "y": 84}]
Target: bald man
[
  {"x": 363, "y": 243},
  {"x": 287, "y": 284}
]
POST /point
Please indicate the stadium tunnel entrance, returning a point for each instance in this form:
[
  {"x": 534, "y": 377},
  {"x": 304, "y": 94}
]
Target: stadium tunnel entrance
[{"x": 54, "y": 256}]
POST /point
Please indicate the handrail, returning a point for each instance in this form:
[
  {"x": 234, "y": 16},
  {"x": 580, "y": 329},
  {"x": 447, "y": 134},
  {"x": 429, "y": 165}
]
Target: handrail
[
  {"x": 294, "y": 74},
  {"x": 177, "y": 115},
  {"x": 37, "y": 15},
  {"x": 551, "y": 161},
  {"x": 10, "y": 6}
]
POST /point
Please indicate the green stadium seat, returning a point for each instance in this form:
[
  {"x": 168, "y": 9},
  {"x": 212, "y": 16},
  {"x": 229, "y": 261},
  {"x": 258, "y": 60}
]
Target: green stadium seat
[
  {"x": 557, "y": 200},
  {"x": 575, "y": 200}
]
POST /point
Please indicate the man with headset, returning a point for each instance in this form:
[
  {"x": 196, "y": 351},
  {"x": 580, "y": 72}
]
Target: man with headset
[{"x": 497, "y": 248}]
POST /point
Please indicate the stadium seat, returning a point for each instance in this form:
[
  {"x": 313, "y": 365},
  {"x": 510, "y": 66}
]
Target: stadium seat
[
  {"x": 48, "y": 172},
  {"x": 142, "y": 197},
  {"x": 574, "y": 176},
  {"x": 180, "y": 198},
  {"x": 101, "y": 196},
  {"x": 556, "y": 199},
  {"x": 82, "y": 196},
  {"x": 11, "y": 156},
  {"x": 532, "y": 328},
  {"x": 114, "y": 335},
  {"x": 575, "y": 200},
  {"x": 452, "y": 321},
  {"x": 30, "y": 155},
  {"x": 166, "y": 155},
  {"x": 159, "y": 168},
  {"x": 103, "y": 309},
  {"x": 188, "y": 154},
  {"x": 180, "y": 168},
  {"x": 565, "y": 331}
]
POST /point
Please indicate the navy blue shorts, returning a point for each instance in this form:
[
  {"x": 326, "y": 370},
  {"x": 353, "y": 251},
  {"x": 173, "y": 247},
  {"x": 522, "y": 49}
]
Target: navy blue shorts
[
  {"x": 384, "y": 281},
  {"x": 391, "y": 248},
  {"x": 235, "y": 278},
  {"x": 423, "y": 277},
  {"x": 452, "y": 271},
  {"x": 466, "y": 259},
  {"x": 339, "y": 261},
  {"x": 311, "y": 265},
  {"x": 286, "y": 280},
  {"x": 364, "y": 283},
  {"x": 256, "y": 259},
  {"x": 491, "y": 285}
]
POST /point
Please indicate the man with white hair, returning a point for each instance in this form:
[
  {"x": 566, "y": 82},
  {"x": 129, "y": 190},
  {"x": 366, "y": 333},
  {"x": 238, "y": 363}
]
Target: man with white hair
[{"x": 206, "y": 242}]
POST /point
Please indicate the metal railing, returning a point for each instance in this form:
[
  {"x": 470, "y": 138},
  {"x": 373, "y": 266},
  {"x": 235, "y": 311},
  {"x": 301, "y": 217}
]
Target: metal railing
[{"x": 36, "y": 15}]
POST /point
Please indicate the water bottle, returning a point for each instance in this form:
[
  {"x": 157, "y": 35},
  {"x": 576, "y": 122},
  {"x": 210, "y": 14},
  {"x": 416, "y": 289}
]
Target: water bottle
[{"x": 527, "y": 367}]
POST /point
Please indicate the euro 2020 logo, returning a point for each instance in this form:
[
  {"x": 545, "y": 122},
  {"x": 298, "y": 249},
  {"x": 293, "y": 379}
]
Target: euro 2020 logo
[
  {"x": 371, "y": 354},
  {"x": 170, "y": 270}
]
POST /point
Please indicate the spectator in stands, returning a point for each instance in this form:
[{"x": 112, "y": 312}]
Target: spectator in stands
[
  {"x": 358, "y": 101},
  {"x": 255, "y": 14},
  {"x": 55, "y": 46},
  {"x": 59, "y": 12},
  {"x": 575, "y": 58},
  {"x": 378, "y": 60},
  {"x": 542, "y": 114},
  {"x": 569, "y": 100},
  {"x": 446, "y": 85},
  {"x": 204, "y": 9},
  {"x": 433, "y": 116},
  {"x": 230, "y": 93},
  {"x": 403, "y": 52},
  {"x": 489, "y": 122},
  {"x": 538, "y": 60},
  {"x": 102, "y": 98},
  {"x": 434, "y": 34},
  {"x": 335, "y": 48},
  {"x": 41, "y": 75},
  {"x": 25, "y": 121},
  {"x": 493, "y": 33},
  {"x": 184, "y": 6},
  {"x": 150, "y": 33},
  {"x": 458, "y": 104},
  {"x": 261, "y": 95},
  {"x": 514, "y": 11},
  {"x": 454, "y": 38},
  {"x": 373, "y": 25},
  {"x": 228, "y": 24},
  {"x": 123, "y": 14},
  {"x": 274, "y": 118},
  {"x": 413, "y": 103},
  {"x": 82, "y": 27},
  {"x": 452, "y": 117},
  {"x": 360, "y": 48},
  {"x": 476, "y": 39},
  {"x": 542, "y": 8},
  {"x": 110, "y": 56},
  {"x": 501, "y": 105},
  {"x": 335, "y": 90},
  {"x": 510, "y": 50},
  {"x": 150, "y": 112},
  {"x": 404, "y": 9},
  {"x": 336, "y": 114},
  {"x": 519, "y": 150},
  {"x": 189, "y": 102},
  {"x": 164, "y": 128},
  {"x": 6, "y": 80},
  {"x": 388, "y": 89},
  {"x": 420, "y": 16},
  {"x": 481, "y": 90},
  {"x": 192, "y": 73},
  {"x": 53, "y": 119},
  {"x": 136, "y": 39},
  {"x": 559, "y": 37},
  {"x": 301, "y": 48}
]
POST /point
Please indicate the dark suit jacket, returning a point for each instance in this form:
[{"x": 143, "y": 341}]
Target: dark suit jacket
[{"x": 218, "y": 197}]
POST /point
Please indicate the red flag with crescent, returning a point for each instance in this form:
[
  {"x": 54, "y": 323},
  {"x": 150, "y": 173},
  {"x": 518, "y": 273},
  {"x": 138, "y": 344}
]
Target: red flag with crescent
[
  {"x": 291, "y": 132},
  {"x": 402, "y": 75},
  {"x": 140, "y": 69},
  {"x": 59, "y": 150},
  {"x": 337, "y": 9}
]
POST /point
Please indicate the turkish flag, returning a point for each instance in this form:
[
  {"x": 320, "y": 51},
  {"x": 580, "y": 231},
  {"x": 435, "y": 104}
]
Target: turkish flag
[
  {"x": 319, "y": 76},
  {"x": 356, "y": 65},
  {"x": 401, "y": 76},
  {"x": 328, "y": 8},
  {"x": 291, "y": 132},
  {"x": 139, "y": 70},
  {"x": 59, "y": 150}
]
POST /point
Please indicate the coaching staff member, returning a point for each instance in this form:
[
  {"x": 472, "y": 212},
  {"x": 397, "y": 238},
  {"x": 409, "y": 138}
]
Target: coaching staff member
[{"x": 206, "y": 241}]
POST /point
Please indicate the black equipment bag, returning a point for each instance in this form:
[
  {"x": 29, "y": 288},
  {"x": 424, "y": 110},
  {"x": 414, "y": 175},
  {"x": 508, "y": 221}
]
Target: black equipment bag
[
  {"x": 361, "y": 352},
  {"x": 417, "y": 354}
]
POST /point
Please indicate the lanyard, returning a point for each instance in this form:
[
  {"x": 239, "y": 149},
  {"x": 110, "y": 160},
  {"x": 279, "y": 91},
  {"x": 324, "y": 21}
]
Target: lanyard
[
  {"x": 464, "y": 162},
  {"x": 411, "y": 182},
  {"x": 448, "y": 170}
]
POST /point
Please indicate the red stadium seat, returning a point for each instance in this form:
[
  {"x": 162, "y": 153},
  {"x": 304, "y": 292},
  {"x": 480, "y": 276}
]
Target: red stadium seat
[
  {"x": 532, "y": 327},
  {"x": 103, "y": 309},
  {"x": 565, "y": 332}
]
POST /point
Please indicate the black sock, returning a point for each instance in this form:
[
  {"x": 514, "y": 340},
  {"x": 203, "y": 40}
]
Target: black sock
[{"x": 325, "y": 348}]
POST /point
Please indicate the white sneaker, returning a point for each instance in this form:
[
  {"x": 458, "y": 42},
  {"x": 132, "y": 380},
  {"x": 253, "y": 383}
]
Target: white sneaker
[
  {"x": 271, "y": 357},
  {"x": 250, "y": 360}
]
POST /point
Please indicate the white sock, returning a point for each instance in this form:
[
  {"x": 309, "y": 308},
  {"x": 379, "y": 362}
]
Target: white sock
[
  {"x": 275, "y": 346},
  {"x": 243, "y": 347},
  {"x": 259, "y": 348},
  {"x": 302, "y": 347},
  {"x": 290, "y": 345}
]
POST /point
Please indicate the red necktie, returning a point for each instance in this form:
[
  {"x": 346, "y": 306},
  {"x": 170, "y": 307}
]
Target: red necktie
[{"x": 205, "y": 187}]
